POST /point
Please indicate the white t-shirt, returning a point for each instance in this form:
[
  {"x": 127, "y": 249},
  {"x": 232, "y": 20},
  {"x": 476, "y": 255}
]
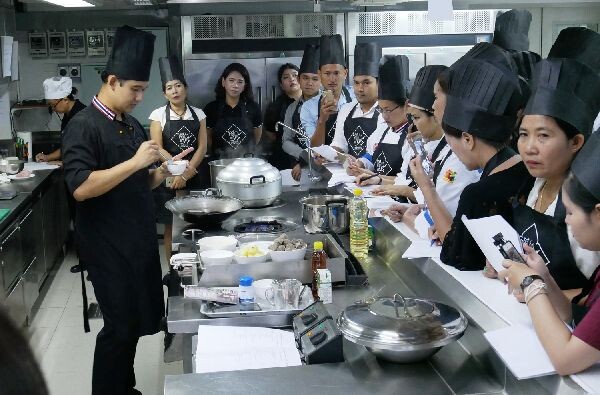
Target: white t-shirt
[
  {"x": 339, "y": 140},
  {"x": 408, "y": 155},
  {"x": 160, "y": 115},
  {"x": 586, "y": 260}
]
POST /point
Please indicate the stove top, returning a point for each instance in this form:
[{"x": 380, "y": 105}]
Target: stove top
[
  {"x": 279, "y": 202},
  {"x": 259, "y": 225}
]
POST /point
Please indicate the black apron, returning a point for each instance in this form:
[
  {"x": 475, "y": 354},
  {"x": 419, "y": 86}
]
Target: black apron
[
  {"x": 116, "y": 238},
  {"x": 358, "y": 130},
  {"x": 387, "y": 158},
  {"x": 436, "y": 153},
  {"x": 232, "y": 137},
  {"x": 331, "y": 122},
  {"x": 549, "y": 238},
  {"x": 297, "y": 124}
]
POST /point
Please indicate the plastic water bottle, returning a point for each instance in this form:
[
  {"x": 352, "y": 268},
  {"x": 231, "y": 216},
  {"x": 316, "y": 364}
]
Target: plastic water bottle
[
  {"x": 359, "y": 226},
  {"x": 245, "y": 290}
]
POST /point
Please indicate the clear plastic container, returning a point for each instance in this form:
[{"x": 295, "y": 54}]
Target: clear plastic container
[
  {"x": 245, "y": 290},
  {"x": 359, "y": 226}
]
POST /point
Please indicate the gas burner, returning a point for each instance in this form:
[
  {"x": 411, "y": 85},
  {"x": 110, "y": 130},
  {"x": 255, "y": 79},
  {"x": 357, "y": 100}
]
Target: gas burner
[
  {"x": 259, "y": 225},
  {"x": 279, "y": 202}
]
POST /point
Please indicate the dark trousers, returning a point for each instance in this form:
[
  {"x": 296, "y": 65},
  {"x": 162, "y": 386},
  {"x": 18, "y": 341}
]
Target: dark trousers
[{"x": 113, "y": 363}]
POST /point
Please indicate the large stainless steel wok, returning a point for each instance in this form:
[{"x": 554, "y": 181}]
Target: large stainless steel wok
[{"x": 206, "y": 211}]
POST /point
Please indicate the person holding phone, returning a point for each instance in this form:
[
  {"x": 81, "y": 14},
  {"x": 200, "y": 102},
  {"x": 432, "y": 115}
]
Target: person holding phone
[
  {"x": 550, "y": 137},
  {"x": 176, "y": 127},
  {"x": 319, "y": 114},
  {"x": 310, "y": 84},
  {"x": 569, "y": 352}
]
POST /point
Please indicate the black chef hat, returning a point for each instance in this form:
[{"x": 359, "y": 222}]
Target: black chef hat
[
  {"x": 393, "y": 77},
  {"x": 131, "y": 55},
  {"x": 331, "y": 50},
  {"x": 566, "y": 84},
  {"x": 310, "y": 60},
  {"x": 490, "y": 53},
  {"x": 585, "y": 165},
  {"x": 366, "y": 59},
  {"x": 170, "y": 69},
  {"x": 421, "y": 94},
  {"x": 525, "y": 62},
  {"x": 512, "y": 30},
  {"x": 481, "y": 99}
]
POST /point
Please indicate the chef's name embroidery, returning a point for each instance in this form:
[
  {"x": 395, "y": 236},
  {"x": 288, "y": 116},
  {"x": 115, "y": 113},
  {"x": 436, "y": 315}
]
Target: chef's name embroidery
[{"x": 449, "y": 176}]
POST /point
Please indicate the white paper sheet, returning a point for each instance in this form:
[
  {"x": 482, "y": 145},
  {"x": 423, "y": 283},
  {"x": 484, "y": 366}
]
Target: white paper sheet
[
  {"x": 287, "y": 180},
  {"x": 440, "y": 10},
  {"x": 521, "y": 351},
  {"x": 367, "y": 190},
  {"x": 589, "y": 380},
  {"x": 483, "y": 231},
  {"x": 33, "y": 166},
  {"x": 326, "y": 152},
  {"x": 422, "y": 249},
  {"x": 6, "y": 42},
  {"x": 228, "y": 348}
]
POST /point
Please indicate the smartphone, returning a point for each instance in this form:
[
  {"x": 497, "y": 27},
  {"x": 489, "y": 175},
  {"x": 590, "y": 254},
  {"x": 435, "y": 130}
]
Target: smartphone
[
  {"x": 328, "y": 96},
  {"x": 507, "y": 249},
  {"x": 169, "y": 181},
  {"x": 418, "y": 147}
]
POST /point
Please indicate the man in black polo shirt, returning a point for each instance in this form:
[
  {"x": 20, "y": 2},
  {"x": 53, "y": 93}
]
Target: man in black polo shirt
[{"x": 107, "y": 161}]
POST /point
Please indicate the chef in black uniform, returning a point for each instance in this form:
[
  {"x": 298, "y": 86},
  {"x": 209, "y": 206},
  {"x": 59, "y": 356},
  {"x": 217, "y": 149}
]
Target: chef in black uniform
[
  {"x": 358, "y": 120},
  {"x": 319, "y": 116},
  {"x": 233, "y": 120},
  {"x": 176, "y": 127},
  {"x": 481, "y": 109},
  {"x": 107, "y": 160},
  {"x": 558, "y": 117},
  {"x": 287, "y": 75},
  {"x": 310, "y": 84},
  {"x": 60, "y": 97}
]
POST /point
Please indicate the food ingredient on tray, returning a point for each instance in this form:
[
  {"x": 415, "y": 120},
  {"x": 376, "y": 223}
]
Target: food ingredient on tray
[
  {"x": 283, "y": 243},
  {"x": 252, "y": 250}
]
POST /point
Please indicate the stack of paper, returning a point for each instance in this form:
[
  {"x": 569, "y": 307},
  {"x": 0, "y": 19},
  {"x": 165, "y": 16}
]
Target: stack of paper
[
  {"x": 327, "y": 152},
  {"x": 287, "y": 180},
  {"x": 422, "y": 249},
  {"x": 227, "y": 348},
  {"x": 33, "y": 166}
]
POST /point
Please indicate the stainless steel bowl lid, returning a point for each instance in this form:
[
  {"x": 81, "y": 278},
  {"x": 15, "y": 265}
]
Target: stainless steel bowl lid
[
  {"x": 397, "y": 323},
  {"x": 242, "y": 169}
]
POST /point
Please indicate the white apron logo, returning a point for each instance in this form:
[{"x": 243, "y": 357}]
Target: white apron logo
[
  {"x": 303, "y": 140},
  {"x": 382, "y": 165},
  {"x": 184, "y": 138},
  {"x": 234, "y": 136},
  {"x": 358, "y": 140},
  {"x": 530, "y": 236}
]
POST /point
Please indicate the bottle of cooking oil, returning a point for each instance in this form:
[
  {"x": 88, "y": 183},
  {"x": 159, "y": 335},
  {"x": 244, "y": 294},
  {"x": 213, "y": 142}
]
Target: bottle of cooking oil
[
  {"x": 318, "y": 261},
  {"x": 359, "y": 225}
]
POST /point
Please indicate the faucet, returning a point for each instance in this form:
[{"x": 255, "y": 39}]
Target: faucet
[{"x": 311, "y": 176}]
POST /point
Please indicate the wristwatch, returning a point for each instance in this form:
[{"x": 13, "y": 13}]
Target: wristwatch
[{"x": 528, "y": 280}]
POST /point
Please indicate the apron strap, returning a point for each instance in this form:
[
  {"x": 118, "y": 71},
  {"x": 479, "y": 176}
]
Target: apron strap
[
  {"x": 346, "y": 94},
  {"x": 86, "y": 318},
  {"x": 587, "y": 288},
  {"x": 438, "y": 166}
]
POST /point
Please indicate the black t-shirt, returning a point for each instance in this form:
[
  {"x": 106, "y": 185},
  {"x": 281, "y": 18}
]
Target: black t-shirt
[
  {"x": 276, "y": 113},
  {"x": 489, "y": 196},
  {"x": 78, "y": 106},
  {"x": 212, "y": 112}
]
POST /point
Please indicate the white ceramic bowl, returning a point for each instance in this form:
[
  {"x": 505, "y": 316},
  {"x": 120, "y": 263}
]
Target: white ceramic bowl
[
  {"x": 217, "y": 243},
  {"x": 286, "y": 256},
  {"x": 177, "y": 167},
  {"x": 262, "y": 245},
  {"x": 216, "y": 257}
]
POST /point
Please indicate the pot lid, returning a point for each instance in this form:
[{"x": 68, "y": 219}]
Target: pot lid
[
  {"x": 242, "y": 169},
  {"x": 398, "y": 323}
]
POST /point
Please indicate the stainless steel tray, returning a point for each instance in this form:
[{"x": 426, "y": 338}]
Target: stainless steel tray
[
  {"x": 229, "y": 275},
  {"x": 221, "y": 310}
]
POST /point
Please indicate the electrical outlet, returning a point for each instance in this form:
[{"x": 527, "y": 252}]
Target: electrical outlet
[
  {"x": 75, "y": 71},
  {"x": 63, "y": 70},
  {"x": 71, "y": 70}
]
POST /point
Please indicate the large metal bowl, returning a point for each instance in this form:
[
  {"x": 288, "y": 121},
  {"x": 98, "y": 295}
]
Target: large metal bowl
[
  {"x": 204, "y": 211},
  {"x": 11, "y": 166},
  {"x": 401, "y": 330}
]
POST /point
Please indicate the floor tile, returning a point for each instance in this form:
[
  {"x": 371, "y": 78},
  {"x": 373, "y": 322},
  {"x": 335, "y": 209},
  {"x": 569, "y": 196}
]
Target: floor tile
[
  {"x": 39, "y": 339},
  {"x": 149, "y": 379},
  {"x": 54, "y": 298},
  {"x": 46, "y": 317},
  {"x": 72, "y": 316},
  {"x": 70, "y": 383}
]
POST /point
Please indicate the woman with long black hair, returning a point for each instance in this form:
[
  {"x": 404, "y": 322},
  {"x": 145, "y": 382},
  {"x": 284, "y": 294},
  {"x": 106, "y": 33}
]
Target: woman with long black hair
[{"x": 233, "y": 120}]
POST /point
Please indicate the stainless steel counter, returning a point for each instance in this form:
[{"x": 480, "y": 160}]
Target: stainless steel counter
[{"x": 466, "y": 367}]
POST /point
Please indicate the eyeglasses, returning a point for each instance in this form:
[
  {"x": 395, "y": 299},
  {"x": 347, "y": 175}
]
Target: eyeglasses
[
  {"x": 387, "y": 112},
  {"x": 53, "y": 105}
]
